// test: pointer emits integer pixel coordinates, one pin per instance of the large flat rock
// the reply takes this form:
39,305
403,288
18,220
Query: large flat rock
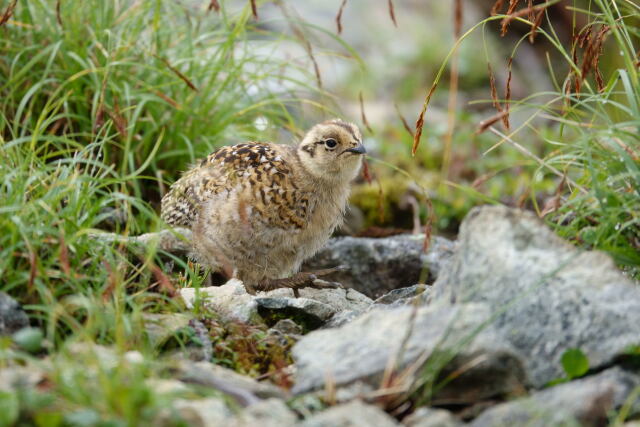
548,295
361,350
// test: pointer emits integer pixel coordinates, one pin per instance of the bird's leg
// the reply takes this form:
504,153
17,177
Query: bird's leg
302,280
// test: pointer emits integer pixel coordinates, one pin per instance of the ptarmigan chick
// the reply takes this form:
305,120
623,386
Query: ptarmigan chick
262,208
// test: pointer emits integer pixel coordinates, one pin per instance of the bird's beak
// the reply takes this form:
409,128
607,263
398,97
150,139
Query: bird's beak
356,150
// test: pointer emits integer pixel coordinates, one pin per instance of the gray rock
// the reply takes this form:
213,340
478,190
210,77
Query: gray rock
431,417
205,412
401,295
310,313
377,266
352,414
583,402
161,327
547,295
342,318
286,331
313,308
246,391
20,377
287,326
268,413
192,335
361,350
12,317
230,300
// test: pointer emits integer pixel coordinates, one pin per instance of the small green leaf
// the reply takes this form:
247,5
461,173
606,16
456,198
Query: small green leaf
575,363
48,419
9,408
29,339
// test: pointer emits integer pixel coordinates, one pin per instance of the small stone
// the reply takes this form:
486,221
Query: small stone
288,327
352,414
166,386
230,300
206,412
268,413
431,417
586,402
161,327
29,339
12,317
20,377
245,390
401,294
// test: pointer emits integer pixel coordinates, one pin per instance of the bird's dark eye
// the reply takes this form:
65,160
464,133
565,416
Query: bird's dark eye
331,143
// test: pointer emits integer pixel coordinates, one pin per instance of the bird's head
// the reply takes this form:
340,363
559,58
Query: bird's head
332,150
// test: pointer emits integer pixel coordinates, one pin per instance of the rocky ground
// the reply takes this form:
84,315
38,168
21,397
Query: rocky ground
509,325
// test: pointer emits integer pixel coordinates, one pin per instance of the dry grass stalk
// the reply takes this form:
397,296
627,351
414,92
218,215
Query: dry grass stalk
365,172
163,281
420,120
58,17
329,389
482,178
497,7
507,97
65,265
494,90
254,9
555,202
405,124
537,21
503,112
177,73
362,113
214,5
112,281
534,14
339,16
485,124
505,22
168,99
8,13
392,12
118,119
592,44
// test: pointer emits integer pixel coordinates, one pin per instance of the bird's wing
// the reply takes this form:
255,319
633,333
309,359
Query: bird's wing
268,192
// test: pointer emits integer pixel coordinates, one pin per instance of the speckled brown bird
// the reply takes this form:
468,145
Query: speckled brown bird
262,208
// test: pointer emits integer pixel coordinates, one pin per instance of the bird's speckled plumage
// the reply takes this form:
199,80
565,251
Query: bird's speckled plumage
263,208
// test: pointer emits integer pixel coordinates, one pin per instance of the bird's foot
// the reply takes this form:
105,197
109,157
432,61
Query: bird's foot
303,280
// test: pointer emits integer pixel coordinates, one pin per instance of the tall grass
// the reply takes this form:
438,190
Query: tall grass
101,105
584,134
598,139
